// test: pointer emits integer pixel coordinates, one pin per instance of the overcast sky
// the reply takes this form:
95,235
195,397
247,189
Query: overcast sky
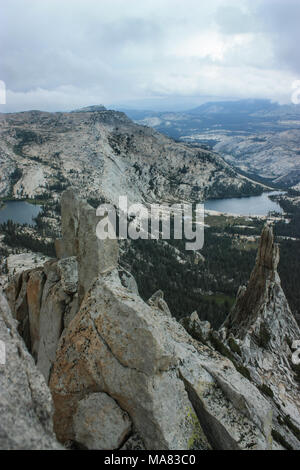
64,54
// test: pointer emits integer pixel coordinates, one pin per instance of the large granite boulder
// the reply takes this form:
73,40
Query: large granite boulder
117,344
99,423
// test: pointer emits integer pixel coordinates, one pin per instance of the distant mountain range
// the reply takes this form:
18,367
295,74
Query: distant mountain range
259,137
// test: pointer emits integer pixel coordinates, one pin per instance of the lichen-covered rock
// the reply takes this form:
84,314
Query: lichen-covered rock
133,443
178,393
117,344
25,400
99,423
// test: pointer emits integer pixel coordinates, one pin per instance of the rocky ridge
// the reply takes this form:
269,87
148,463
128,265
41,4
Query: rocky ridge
271,155
113,359
103,154
258,137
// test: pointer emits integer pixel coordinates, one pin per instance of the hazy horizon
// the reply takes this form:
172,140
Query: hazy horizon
151,107
160,55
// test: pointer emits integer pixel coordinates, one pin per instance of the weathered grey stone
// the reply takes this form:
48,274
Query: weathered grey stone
34,292
263,277
118,344
53,307
40,301
224,418
200,330
128,281
68,268
12,291
25,400
94,256
179,394
118,354
99,423
224,427
157,301
52,272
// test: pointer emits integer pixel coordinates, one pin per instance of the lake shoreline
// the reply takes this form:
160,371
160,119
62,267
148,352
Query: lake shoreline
211,212
248,206
38,202
19,212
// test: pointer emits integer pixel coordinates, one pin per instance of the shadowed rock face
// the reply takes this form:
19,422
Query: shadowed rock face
25,400
42,300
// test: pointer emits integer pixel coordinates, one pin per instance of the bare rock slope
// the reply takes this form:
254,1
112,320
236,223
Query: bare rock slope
103,154
272,155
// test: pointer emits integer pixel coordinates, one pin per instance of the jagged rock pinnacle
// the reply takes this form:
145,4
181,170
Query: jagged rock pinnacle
260,332
250,300
268,252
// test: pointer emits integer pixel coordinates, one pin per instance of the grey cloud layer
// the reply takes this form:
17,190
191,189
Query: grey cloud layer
61,54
